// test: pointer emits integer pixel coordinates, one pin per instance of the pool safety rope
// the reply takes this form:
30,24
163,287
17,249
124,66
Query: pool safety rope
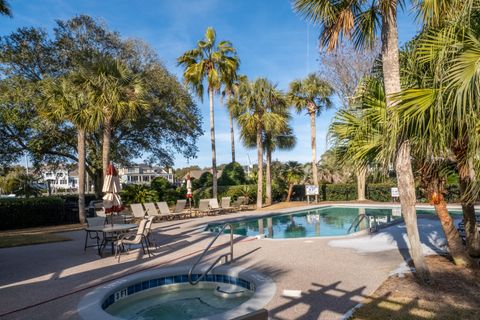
110,280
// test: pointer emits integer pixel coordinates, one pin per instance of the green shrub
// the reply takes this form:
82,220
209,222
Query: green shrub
338,192
205,180
73,198
234,192
134,193
232,175
379,192
33,212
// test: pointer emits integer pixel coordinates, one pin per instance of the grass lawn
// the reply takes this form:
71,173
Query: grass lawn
455,294
24,237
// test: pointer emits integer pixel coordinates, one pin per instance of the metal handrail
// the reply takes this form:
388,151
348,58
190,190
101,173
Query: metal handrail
360,218
225,255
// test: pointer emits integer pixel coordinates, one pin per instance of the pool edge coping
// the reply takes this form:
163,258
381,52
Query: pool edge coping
90,306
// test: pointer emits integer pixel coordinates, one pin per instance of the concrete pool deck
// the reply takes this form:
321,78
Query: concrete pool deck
47,281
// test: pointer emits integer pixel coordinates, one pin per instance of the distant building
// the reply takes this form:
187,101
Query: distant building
144,174
60,178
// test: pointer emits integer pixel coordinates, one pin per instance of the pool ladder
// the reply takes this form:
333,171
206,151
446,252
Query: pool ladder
225,255
356,222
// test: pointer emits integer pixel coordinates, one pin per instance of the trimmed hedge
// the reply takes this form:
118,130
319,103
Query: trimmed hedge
380,192
16,213
33,212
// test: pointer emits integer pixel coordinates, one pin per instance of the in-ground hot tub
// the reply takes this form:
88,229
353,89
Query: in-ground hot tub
165,293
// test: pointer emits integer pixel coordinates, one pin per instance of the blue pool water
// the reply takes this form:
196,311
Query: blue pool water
321,222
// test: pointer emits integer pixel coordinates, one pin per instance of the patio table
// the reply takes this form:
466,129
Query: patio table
110,229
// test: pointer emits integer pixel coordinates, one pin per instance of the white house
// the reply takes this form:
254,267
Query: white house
60,178
144,174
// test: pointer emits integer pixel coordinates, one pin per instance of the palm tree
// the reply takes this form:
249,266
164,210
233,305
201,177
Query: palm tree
230,90
359,134
293,173
65,101
360,20
5,8
117,93
217,64
282,140
312,95
256,111
443,103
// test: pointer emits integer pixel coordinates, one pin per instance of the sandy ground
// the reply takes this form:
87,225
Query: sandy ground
47,281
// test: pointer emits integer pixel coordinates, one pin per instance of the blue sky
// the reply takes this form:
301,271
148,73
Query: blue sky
271,40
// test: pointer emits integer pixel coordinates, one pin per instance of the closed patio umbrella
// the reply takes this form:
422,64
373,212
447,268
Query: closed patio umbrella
189,191
111,187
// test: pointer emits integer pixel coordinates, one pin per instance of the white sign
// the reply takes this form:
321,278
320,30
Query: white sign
395,192
311,190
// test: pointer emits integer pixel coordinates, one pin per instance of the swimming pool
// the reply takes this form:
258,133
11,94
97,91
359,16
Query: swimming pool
320,222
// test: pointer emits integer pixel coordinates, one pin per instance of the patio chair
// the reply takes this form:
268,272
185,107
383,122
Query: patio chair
93,234
215,206
147,232
166,213
226,204
100,210
180,206
137,210
151,210
133,239
204,208
240,203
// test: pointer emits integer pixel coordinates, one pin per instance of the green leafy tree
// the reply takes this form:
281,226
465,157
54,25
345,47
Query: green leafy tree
204,181
312,95
361,21
170,125
20,183
217,65
232,175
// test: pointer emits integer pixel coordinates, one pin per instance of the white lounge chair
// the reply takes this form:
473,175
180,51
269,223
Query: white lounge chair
226,204
166,213
205,208
151,210
215,206
137,210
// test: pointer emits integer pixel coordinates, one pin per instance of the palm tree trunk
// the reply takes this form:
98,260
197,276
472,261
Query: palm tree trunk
260,167
212,140
406,190
81,174
406,184
268,178
107,135
361,178
455,246
468,209
313,141
290,190
232,136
